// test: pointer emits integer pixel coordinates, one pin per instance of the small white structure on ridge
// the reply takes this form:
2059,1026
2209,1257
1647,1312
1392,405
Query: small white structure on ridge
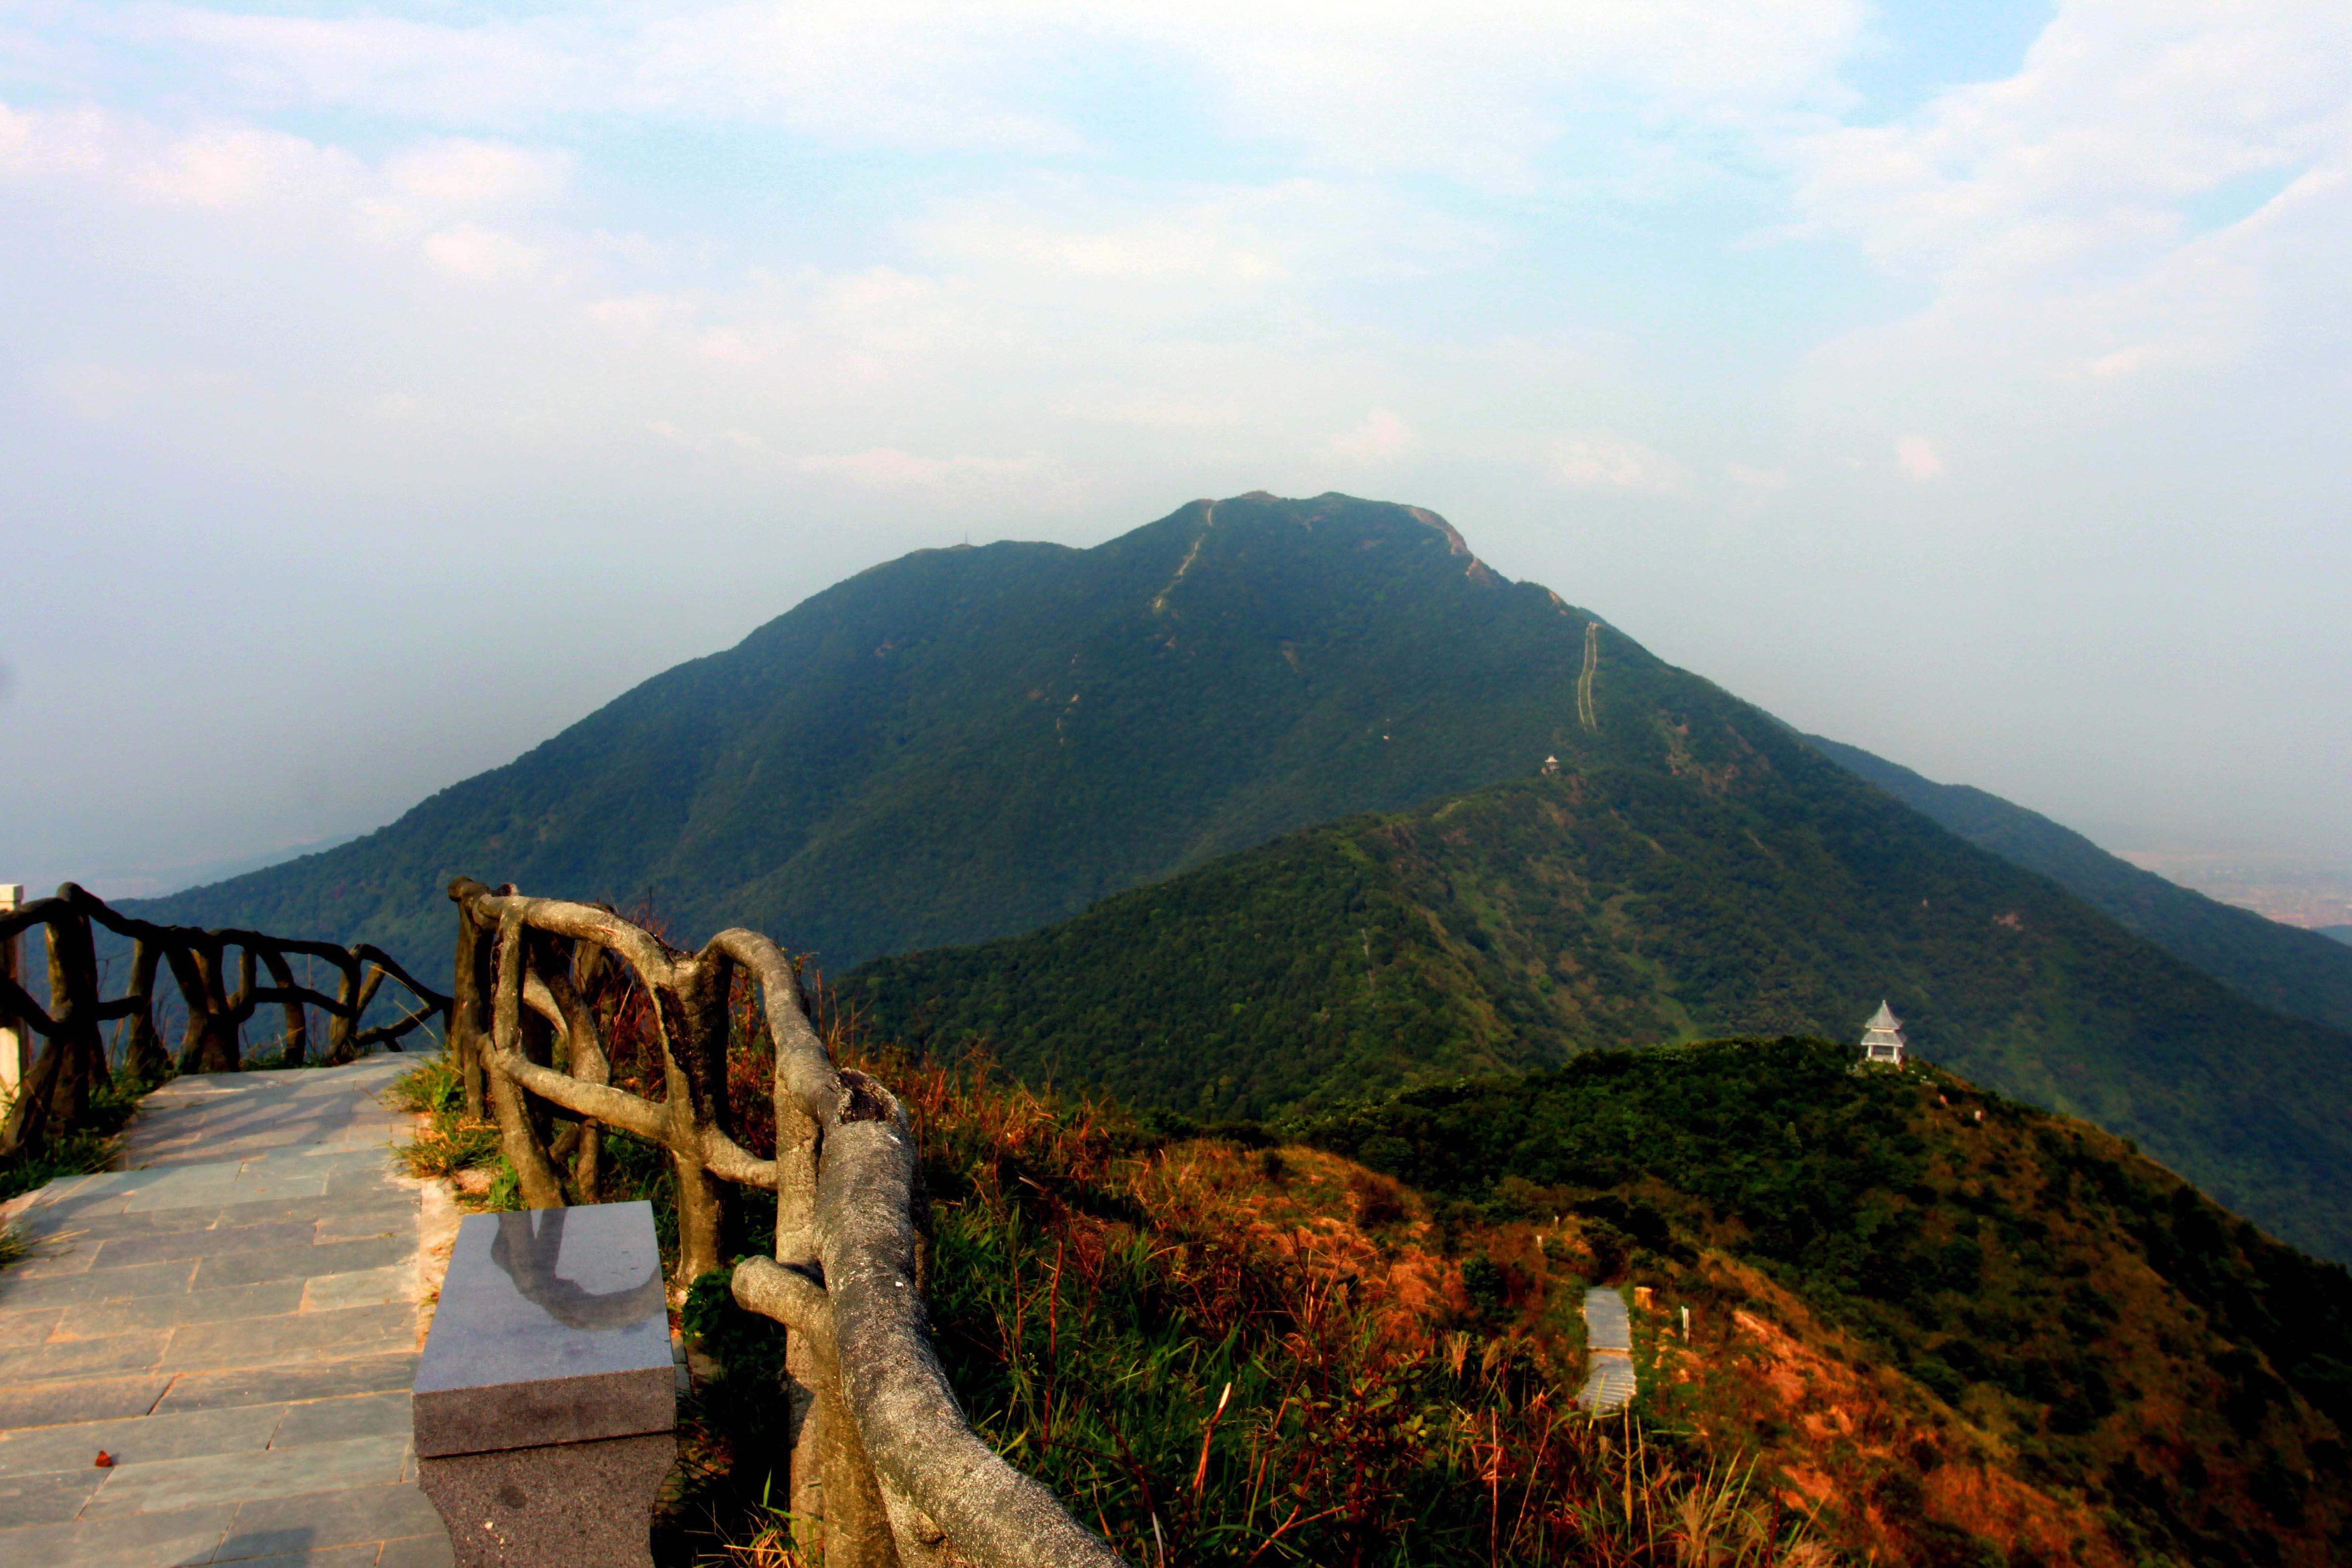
13,1034
1882,1037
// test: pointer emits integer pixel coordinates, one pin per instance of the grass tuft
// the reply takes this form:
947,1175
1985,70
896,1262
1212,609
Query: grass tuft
16,1242
86,1149
450,1142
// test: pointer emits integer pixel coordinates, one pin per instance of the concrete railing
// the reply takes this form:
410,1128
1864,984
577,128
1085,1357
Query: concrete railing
884,1465
52,1096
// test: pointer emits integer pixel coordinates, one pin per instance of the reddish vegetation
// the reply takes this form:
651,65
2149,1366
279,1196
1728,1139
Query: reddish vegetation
1354,1290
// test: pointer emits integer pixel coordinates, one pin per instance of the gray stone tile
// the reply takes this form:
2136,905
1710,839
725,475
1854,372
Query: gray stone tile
241,1478
189,1186
419,1551
282,1384
90,1229
216,1187
141,1439
333,1557
97,1399
19,1291
341,1162
19,1329
165,1246
140,1541
91,1206
295,1336
330,1420
332,1518
237,1301
64,1254
366,1182
51,1497
60,1187
302,1262
366,1288
95,1184
82,1358
260,1211
357,1222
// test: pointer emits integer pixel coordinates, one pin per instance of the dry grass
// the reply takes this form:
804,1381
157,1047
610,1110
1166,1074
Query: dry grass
1216,1357
449,1142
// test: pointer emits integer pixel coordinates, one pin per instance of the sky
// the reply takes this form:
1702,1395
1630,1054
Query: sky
385,387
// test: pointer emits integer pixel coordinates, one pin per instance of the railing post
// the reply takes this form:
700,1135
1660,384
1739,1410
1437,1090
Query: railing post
73,1002
143,1051
14,1057
470,1008
884,1464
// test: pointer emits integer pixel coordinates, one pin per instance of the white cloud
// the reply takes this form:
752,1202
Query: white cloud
1477,92
1151,412
2048,212
1380,439
485,255
1917,458
463,173
887,468
1197,246
212,166
1604,460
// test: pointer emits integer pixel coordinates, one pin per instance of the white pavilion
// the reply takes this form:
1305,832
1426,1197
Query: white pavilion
1882,1037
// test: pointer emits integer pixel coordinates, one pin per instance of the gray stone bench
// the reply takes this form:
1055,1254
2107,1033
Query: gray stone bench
545,1401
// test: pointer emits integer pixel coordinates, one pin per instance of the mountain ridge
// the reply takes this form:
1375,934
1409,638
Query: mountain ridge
1525,923
967,744
2281,967
963,742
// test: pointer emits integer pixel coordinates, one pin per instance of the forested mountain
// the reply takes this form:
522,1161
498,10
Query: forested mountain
1735,884
967,743
2095,1365
2285,969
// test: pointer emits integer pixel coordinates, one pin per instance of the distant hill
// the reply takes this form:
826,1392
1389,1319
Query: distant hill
2285,969
1739,884
2337,934
967,742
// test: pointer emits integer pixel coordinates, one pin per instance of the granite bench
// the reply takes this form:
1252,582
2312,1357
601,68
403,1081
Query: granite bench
546,1401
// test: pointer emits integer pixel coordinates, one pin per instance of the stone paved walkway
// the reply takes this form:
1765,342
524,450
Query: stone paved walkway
1609,1381
234,1322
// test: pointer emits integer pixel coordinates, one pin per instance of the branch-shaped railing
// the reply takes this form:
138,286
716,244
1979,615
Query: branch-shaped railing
884,1466
54,1097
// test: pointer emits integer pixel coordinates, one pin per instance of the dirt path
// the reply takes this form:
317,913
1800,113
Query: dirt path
1586,714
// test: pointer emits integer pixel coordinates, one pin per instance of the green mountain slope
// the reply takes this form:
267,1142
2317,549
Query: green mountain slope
2285,969
967,742
2060,1306
1739,885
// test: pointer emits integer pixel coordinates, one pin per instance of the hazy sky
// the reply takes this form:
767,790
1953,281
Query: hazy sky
383,387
